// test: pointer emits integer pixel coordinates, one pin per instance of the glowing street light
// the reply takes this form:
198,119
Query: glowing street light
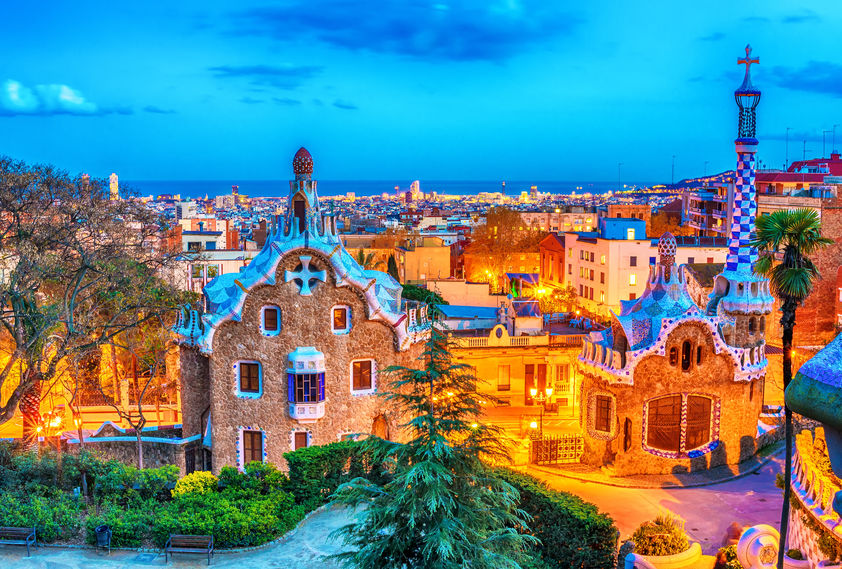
541,399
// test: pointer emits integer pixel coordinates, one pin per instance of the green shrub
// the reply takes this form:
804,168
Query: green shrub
54,516
129,525
829,546
795,554
118,479
233,521
730,555
573,532
198,482
316,472
664,536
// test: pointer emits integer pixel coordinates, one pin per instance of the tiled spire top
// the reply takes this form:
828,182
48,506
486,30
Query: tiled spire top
666,251
302,164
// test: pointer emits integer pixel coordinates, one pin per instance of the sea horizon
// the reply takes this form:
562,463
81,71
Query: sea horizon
326,188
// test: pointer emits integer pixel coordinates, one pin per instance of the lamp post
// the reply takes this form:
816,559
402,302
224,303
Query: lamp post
541,399
786,159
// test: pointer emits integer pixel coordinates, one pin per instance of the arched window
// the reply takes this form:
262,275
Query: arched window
299,208
673,356
664,419
698,355
686,355
762,323
752,325
664,423
698,422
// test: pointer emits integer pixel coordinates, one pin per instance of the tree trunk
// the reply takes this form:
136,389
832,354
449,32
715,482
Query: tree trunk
788,323
30,408
139,447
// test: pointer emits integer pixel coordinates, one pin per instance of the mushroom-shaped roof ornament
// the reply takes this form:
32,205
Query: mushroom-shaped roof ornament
302,163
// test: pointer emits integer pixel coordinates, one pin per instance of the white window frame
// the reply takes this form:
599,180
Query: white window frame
373,387
248,394
347,329
264,331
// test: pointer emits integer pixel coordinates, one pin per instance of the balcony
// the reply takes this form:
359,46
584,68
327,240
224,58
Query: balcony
307,412
719,214
719,198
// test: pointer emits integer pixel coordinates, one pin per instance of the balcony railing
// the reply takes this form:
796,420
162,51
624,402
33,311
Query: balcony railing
719,214
573,340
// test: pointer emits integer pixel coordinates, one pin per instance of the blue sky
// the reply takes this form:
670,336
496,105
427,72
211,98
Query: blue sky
518,90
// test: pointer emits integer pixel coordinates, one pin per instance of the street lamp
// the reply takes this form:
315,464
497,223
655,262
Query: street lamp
541,399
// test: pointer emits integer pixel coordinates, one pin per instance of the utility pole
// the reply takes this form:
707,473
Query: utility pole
786,160
619,183
824,150
673,169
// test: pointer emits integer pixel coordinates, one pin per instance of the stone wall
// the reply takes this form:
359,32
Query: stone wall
305,321
739,407
195,389
815,321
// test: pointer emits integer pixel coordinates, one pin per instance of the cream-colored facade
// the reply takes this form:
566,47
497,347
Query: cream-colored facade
509,366
605,271
558,221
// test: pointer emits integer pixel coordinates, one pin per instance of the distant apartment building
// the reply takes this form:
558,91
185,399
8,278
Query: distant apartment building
185,210
631,211
207,234
612,264
576,219
421,259
708,210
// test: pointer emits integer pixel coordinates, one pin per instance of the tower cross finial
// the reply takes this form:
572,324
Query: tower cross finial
747,61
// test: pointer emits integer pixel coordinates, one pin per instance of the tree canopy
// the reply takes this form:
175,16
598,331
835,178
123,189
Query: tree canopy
79,269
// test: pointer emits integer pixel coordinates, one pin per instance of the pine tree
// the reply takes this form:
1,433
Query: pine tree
440,507
392,268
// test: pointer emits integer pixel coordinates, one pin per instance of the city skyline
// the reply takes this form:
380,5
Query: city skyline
468,91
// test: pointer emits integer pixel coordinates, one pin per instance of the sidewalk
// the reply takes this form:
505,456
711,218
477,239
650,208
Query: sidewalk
586,473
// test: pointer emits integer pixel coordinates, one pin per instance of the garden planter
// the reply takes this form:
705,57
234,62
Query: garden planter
790,563
690,559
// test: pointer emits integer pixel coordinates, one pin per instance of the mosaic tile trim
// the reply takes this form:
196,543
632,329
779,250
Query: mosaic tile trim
592,432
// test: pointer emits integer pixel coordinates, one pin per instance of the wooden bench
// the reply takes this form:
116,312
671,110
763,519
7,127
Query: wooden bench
188,544
18,536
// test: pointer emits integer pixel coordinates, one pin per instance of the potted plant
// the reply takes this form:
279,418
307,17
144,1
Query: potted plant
663,544
794,559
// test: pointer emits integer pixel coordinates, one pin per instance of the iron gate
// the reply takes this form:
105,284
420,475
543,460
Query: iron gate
557,449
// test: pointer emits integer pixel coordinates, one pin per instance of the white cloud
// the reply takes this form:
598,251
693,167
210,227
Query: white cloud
18,99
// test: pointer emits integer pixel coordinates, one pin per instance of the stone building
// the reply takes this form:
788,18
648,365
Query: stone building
664,390
671,387
290,351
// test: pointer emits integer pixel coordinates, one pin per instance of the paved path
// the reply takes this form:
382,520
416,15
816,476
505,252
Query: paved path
707,511
303,550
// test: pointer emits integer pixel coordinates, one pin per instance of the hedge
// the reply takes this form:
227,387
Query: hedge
573,533
55,514
316,472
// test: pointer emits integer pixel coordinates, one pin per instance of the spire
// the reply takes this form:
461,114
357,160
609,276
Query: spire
747,97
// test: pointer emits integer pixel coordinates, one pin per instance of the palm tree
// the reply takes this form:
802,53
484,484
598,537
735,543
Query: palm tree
784,241
366,260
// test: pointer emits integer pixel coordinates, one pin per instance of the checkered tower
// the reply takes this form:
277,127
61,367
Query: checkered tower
740,296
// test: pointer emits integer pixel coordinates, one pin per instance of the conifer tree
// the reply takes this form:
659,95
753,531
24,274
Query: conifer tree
440,506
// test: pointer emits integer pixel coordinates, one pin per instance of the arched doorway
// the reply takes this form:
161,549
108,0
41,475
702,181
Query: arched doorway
380,427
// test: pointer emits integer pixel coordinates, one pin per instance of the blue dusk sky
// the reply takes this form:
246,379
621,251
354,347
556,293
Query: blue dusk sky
484,90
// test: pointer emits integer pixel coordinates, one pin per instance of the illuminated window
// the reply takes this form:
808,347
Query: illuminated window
686,355
602,260
602,297
504,377
630,233
632,279
340,319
